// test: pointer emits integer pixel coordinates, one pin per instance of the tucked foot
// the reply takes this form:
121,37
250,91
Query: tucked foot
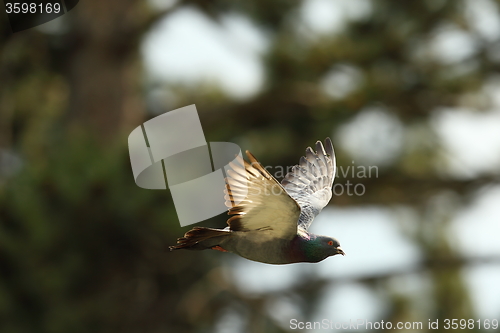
218,248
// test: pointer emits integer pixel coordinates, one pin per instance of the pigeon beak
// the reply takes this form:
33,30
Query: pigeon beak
340,251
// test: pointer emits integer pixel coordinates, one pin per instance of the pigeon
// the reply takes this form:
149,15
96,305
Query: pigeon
270,220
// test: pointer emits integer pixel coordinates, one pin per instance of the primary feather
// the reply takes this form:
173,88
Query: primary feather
310,182
266,205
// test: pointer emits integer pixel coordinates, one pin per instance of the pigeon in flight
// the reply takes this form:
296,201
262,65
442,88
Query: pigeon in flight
269,220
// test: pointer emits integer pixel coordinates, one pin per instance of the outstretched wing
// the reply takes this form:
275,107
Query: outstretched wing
310,182
258,202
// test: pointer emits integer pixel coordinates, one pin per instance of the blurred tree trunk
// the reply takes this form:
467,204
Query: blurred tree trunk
104,67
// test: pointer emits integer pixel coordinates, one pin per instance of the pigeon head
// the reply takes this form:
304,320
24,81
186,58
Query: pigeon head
318,248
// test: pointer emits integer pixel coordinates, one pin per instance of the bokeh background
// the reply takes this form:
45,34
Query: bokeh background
409,87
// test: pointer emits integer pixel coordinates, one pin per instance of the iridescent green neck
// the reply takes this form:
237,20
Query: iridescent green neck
308,248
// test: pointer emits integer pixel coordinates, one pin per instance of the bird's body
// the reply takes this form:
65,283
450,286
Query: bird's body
270,250
270,220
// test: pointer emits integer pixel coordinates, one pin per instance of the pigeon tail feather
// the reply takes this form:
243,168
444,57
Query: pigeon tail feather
200,238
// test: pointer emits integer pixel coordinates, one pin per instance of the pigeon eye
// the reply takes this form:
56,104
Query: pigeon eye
330,242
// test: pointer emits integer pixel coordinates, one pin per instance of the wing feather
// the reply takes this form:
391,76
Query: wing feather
258,202
310,182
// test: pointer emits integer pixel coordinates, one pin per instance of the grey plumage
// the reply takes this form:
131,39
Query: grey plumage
269,220
310,182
